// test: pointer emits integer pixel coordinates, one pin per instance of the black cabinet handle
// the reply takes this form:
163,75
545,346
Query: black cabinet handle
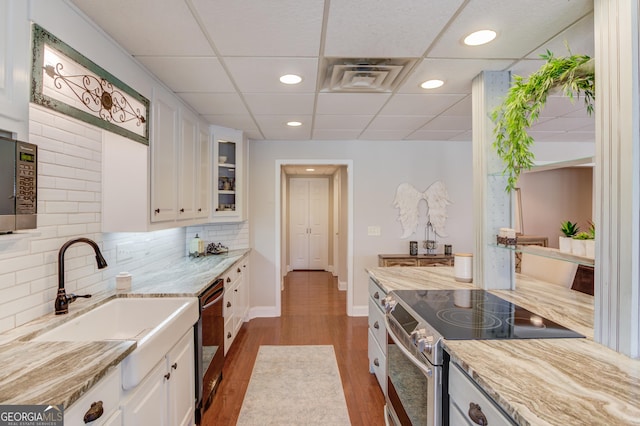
229,335
156,211
376,325
476,415
376,295
174,366
181,210
94,413
376,362
167,376
228,304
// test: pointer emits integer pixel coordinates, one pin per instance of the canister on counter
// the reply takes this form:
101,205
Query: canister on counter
463,267
413,248
447,249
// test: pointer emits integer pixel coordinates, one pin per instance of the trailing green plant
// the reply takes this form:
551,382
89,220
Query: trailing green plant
521,107
569,229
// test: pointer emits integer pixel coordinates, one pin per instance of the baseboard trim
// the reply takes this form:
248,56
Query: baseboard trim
360,311
262,312
342,285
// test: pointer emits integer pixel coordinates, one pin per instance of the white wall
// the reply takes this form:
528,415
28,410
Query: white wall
70,193
378,168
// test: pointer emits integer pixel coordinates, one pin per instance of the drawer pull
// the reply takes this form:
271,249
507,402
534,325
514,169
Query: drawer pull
167,376
376,295
376,325
376,362
476,415
174,366
228,304
229,335
94,412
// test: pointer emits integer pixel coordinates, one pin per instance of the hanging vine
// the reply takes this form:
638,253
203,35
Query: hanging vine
574,75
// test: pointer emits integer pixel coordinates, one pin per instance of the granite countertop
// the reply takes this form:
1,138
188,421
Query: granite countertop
60,372
540,381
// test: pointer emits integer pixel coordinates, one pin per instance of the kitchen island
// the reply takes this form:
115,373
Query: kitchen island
539,381
61,372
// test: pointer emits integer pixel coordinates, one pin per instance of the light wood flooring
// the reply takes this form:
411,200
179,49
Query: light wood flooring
313,313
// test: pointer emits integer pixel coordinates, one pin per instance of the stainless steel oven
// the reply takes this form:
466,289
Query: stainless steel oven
209,335
417,365
414,383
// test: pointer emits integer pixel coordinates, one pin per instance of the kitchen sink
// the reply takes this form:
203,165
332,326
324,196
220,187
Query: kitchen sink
155,323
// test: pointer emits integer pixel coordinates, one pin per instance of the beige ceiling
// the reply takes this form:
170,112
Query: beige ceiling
224,58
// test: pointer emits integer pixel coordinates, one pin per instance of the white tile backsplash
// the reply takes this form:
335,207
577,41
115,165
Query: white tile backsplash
69,206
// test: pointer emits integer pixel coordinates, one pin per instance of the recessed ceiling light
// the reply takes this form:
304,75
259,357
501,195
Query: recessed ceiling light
479,37
290,79
294,123
310,170
432,84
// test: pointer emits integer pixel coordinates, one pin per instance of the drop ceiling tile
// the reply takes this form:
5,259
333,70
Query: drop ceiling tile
215,103
234,121
277,122
398,122
463,137
461,108
384,135
448,122
579,38
297,133
436,135
558,136
517,36
143,27
263,28
189,74
426,104
457,74
340,134
351,103
260,75
342,122
373,33
280,103
562,105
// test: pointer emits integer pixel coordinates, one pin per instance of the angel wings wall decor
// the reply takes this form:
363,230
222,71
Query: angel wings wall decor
408,199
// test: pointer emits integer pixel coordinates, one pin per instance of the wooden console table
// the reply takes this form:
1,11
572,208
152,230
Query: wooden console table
417,260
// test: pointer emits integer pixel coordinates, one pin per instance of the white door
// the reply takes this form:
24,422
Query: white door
309,216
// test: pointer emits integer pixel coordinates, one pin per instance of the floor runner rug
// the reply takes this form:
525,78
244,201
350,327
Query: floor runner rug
295,385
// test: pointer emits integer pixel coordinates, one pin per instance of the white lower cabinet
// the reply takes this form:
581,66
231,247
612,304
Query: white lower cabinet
377,342
167,395
106,393
236,300
469,405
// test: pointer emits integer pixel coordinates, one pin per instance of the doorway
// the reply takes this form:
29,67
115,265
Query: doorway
339,176
308,223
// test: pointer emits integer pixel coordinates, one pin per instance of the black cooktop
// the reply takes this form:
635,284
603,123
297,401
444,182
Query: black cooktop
474,314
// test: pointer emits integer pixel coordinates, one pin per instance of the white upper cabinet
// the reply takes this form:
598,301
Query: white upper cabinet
188,165
15,54
164,185
229,175
164,150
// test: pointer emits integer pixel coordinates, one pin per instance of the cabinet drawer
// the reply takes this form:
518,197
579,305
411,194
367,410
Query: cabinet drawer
377,362
400,262
376,293
107,390
463,392
377,326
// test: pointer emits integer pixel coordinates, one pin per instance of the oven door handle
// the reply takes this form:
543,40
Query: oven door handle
208,304
426,370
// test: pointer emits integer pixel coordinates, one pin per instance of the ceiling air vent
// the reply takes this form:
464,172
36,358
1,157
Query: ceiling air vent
364,75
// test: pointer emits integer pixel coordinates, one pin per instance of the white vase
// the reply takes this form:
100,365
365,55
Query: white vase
565,244
590,248
578,247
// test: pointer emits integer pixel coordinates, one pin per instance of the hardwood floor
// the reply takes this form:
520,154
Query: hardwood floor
313,313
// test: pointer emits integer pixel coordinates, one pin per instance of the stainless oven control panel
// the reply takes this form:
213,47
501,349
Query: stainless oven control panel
26,178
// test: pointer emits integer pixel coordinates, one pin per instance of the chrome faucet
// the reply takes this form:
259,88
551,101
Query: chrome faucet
62,300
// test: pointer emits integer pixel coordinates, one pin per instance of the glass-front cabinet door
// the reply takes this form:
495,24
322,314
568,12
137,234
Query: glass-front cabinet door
228,175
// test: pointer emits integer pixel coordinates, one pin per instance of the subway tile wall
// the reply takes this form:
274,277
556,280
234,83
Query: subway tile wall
234,236
69,206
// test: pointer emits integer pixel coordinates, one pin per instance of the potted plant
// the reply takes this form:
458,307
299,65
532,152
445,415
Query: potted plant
578,246
522,105
590,243
569,229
